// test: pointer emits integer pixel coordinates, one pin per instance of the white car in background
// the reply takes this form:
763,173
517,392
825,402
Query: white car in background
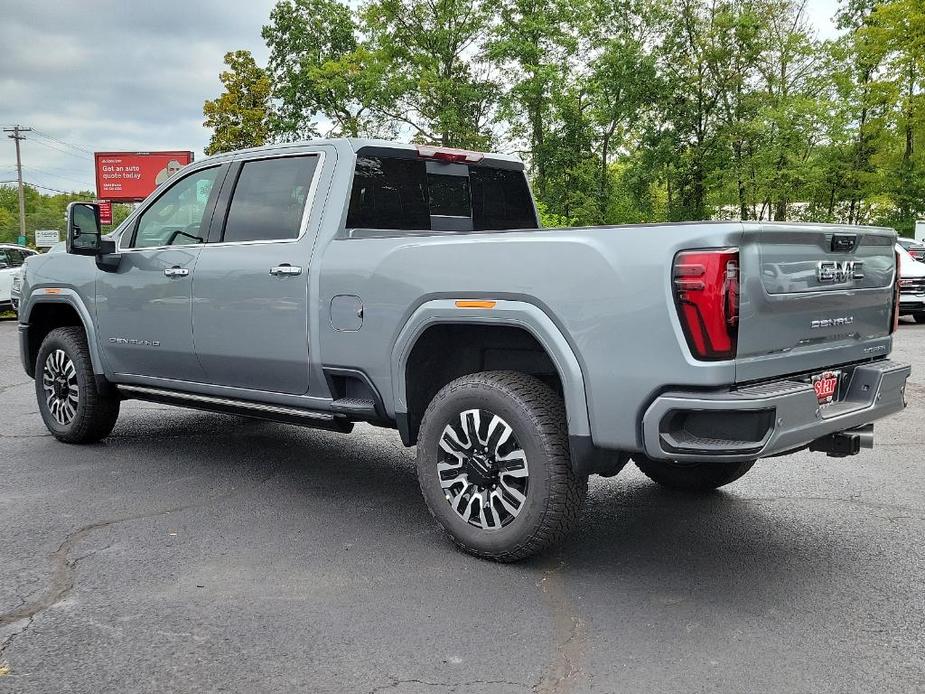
11,259
911,286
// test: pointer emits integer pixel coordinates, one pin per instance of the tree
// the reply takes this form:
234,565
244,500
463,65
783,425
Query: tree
240,116
792,81
323,77
623,82
532,41
438,90
895,37
624,110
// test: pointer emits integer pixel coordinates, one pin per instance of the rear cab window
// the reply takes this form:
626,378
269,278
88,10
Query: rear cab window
399,192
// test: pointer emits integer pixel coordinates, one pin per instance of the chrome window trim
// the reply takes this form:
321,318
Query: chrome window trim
306,212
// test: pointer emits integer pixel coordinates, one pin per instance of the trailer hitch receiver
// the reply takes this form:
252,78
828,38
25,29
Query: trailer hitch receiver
845,443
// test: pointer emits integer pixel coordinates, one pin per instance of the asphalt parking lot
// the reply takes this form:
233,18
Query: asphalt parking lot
198,552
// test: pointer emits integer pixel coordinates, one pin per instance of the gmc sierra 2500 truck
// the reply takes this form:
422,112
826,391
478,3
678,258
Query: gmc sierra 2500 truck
338,281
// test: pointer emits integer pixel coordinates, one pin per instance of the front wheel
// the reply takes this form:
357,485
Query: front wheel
692,477
73,405
493,465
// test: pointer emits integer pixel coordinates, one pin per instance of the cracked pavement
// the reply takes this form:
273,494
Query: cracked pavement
194,552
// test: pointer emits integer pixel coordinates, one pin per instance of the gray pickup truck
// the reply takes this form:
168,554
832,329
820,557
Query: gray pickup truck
339,281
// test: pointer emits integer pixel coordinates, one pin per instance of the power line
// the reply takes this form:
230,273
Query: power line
61,150
36,185
62,142
49,173
53,190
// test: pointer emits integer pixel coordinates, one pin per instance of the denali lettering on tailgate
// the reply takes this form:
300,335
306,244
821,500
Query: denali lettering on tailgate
831,322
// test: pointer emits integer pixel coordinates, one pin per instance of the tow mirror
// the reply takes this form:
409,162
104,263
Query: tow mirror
83,229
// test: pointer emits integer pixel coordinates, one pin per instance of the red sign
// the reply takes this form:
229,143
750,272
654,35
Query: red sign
105,211
826,386
132,176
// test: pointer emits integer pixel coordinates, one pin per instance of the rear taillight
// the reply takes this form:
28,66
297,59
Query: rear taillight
706,290
896,283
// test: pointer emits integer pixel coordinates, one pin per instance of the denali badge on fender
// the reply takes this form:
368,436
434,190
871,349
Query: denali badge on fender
835,271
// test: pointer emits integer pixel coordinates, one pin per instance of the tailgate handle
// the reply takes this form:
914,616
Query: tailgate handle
844,242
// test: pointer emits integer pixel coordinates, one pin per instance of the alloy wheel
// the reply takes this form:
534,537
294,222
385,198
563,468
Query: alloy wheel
483,469
59,381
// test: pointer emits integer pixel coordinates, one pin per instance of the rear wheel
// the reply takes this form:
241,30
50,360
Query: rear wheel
919,316
493,465
73,405
694,477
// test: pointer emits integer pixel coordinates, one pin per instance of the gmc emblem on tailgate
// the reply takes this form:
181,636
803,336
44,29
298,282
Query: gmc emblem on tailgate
835,271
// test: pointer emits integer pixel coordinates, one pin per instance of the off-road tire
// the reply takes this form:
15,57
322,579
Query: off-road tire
691,477
536,416
97,407
919,317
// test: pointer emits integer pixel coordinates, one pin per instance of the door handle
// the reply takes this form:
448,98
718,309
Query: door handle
176,272
285,270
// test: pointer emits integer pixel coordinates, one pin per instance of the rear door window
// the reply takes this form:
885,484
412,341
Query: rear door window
269,199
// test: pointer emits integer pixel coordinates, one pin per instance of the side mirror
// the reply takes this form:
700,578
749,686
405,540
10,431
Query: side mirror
83,229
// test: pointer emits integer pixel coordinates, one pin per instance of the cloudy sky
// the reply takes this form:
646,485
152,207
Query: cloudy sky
111,75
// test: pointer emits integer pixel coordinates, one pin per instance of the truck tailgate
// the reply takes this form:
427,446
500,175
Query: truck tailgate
812,296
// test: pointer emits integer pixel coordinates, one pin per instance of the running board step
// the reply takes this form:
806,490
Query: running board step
243,408
357,407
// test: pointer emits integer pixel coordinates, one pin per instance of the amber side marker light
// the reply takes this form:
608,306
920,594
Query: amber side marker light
476,304
53,290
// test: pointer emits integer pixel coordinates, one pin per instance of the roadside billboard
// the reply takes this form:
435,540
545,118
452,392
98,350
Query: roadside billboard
131,176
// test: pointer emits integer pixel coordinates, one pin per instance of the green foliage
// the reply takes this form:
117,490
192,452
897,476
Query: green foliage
324,80
240,116
43,212
624,110
433,85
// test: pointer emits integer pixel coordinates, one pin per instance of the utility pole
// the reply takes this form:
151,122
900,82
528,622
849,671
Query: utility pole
16,137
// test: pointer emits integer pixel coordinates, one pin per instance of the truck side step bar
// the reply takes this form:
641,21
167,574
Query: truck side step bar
242,408
357,407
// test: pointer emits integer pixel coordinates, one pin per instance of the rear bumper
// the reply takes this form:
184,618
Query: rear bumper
769,418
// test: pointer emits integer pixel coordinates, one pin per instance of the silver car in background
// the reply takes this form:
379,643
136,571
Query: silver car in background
11,259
